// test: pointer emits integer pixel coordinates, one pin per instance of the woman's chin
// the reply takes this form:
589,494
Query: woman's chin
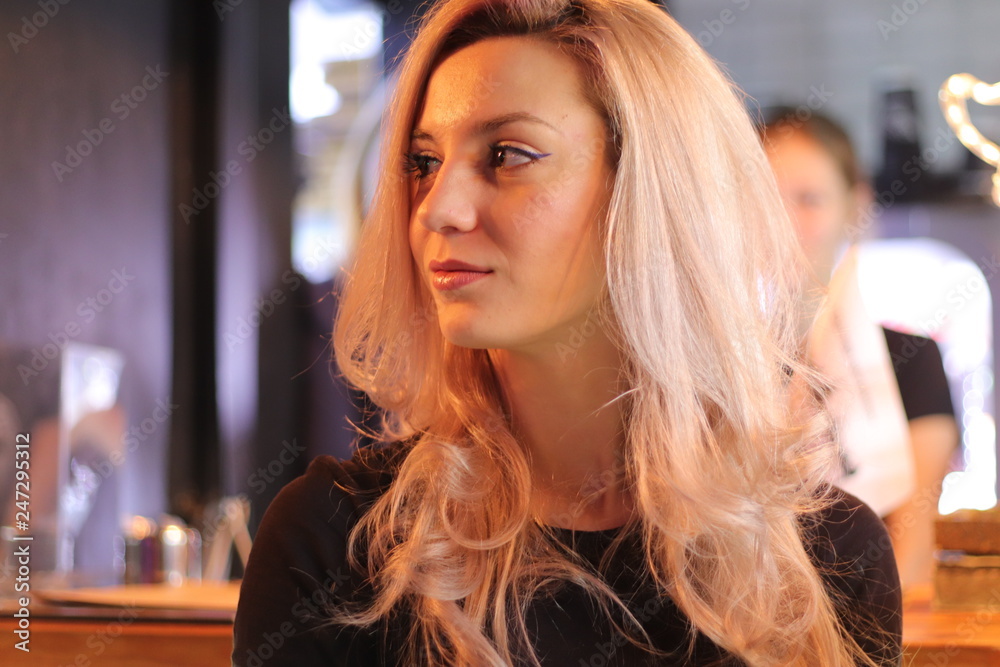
469,338
470,333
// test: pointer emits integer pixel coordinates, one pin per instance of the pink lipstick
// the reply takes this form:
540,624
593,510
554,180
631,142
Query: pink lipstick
451,274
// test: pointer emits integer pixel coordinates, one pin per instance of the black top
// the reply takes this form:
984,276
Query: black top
923,385
299,554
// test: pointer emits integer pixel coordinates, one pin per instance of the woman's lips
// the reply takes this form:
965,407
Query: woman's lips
449,280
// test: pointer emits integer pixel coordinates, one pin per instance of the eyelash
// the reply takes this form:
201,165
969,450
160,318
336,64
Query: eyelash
416,163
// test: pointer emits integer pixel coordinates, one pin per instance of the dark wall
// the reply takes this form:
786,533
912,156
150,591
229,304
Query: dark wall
62,235
67,232
261,301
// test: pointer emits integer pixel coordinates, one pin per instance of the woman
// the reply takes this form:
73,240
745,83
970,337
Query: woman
584,343
826,194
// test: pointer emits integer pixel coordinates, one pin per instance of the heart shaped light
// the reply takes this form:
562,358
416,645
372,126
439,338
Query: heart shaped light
954,96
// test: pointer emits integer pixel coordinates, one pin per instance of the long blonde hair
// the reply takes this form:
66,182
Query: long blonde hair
701,297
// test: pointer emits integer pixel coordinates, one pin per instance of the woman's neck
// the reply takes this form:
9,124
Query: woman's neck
565,412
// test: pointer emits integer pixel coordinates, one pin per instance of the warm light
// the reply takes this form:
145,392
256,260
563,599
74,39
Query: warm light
955,113
954,95
973,488
985,93
173,535
140,528
957,84
969,136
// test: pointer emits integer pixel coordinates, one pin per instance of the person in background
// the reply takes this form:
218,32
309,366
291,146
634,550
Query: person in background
576,298
825,193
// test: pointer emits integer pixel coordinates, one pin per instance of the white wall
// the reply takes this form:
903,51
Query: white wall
779,50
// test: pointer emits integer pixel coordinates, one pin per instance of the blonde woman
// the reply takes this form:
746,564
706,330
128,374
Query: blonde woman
575,298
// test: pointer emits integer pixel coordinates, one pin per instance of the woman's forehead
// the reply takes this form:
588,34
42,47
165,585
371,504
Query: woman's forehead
499,77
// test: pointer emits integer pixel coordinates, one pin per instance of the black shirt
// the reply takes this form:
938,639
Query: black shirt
300,548
919,370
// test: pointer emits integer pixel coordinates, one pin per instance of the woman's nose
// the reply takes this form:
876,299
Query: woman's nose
449,204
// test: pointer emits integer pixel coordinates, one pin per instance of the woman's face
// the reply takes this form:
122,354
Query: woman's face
818,198
509,176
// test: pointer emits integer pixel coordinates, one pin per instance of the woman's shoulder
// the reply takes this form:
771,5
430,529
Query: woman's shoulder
853,551
309,521
845,529
359,480
298,565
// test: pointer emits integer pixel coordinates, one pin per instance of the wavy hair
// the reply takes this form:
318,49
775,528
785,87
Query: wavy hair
703,274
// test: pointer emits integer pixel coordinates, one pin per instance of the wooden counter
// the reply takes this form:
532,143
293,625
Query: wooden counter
64,635
107,636
936,638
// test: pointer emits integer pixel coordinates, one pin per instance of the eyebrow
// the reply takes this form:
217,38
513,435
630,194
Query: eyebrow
494,124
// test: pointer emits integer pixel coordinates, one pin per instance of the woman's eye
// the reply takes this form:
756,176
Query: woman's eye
508,157
421,165
809,199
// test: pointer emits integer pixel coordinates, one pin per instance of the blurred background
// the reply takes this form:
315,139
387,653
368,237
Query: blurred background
182,182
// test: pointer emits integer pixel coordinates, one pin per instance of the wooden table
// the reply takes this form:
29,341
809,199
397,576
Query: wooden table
65,635
108,636
937,638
